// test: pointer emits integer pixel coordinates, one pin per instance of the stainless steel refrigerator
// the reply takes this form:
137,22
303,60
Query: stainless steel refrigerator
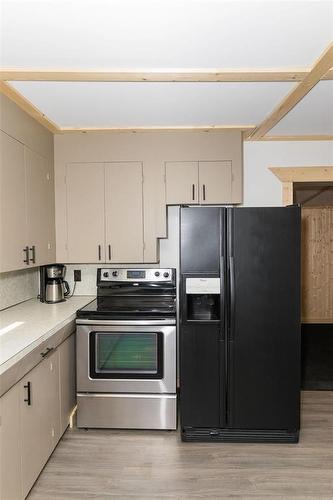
240,324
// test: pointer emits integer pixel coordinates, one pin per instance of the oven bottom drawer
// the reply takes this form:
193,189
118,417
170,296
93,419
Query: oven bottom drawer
127,411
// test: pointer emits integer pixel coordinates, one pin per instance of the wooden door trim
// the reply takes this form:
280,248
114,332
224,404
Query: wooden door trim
289,175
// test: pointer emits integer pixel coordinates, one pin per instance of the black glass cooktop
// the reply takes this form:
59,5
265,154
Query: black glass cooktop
128,308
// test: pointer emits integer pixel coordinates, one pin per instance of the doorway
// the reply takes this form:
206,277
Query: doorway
312,188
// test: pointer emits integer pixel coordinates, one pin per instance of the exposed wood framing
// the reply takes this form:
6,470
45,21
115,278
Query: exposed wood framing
28,107
172,75
321,67
303,174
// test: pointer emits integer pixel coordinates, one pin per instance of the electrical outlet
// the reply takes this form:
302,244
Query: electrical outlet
77,274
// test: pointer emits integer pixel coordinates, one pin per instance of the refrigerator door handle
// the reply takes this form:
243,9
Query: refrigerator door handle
222,298
232,298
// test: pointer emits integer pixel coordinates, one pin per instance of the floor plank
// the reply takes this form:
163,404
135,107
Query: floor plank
127,465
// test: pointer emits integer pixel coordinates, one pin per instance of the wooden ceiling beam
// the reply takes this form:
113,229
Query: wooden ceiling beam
28,107
319,70
189,128
172,75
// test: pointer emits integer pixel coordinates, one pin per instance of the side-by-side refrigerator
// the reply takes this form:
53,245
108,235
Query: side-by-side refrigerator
240,324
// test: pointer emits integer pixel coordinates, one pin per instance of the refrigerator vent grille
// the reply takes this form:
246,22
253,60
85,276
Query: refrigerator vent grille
239,436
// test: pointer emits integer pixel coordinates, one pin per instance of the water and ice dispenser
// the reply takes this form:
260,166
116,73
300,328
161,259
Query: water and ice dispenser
202,297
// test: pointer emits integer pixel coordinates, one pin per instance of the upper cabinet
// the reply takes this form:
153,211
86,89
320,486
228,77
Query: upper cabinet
123,212
85,212
204,182
112,189
13,204
40,208
182,182
215,182
104,212
27,207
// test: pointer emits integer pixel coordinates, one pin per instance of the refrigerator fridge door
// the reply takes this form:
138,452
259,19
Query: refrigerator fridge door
264,318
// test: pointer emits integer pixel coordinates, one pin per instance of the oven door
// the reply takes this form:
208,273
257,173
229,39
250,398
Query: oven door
126,358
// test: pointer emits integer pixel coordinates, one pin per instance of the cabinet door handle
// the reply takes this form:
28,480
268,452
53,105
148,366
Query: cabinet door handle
204,192
99,252
26,251
28,398
33,251
193,192
109,252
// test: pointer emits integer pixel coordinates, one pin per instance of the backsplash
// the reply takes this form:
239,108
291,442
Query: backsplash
17,286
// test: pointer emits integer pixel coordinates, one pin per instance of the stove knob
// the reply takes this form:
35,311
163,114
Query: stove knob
157,273
106,275
115,273
166,275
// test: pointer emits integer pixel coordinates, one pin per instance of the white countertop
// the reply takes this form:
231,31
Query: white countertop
24,326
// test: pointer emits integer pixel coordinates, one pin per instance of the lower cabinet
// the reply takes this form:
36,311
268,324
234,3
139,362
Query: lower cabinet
10,446
34,414
40,418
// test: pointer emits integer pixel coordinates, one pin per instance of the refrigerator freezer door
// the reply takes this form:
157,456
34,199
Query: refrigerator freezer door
200,230
202,376
264,318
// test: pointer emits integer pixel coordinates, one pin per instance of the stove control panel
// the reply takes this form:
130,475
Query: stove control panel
136,275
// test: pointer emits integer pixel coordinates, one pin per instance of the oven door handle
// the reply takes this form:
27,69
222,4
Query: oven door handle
151,322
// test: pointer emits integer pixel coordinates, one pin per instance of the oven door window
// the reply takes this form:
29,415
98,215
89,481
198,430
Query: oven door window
126,355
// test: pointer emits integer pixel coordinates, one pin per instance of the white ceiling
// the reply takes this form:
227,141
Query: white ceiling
313,115
91,104
104,34
162,34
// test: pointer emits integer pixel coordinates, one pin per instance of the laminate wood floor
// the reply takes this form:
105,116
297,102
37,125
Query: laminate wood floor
102,464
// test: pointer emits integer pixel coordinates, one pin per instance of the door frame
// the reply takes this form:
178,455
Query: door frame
289,175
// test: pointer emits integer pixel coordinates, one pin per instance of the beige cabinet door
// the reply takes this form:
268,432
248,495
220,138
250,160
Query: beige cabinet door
215,182
85,212
10,452
40,429
13,236
40,209
66,353
123,212
181,179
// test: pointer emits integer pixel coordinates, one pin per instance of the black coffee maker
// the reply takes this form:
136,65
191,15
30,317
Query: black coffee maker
53,287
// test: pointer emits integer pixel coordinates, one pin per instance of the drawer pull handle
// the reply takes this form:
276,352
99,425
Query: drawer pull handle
47,352
28,398
193,192
99,252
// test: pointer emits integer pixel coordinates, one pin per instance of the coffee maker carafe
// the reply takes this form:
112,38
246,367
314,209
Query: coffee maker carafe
53,287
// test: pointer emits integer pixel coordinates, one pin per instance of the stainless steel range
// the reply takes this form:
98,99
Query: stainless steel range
126,351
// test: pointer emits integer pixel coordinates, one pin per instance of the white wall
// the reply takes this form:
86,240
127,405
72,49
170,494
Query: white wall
261,187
